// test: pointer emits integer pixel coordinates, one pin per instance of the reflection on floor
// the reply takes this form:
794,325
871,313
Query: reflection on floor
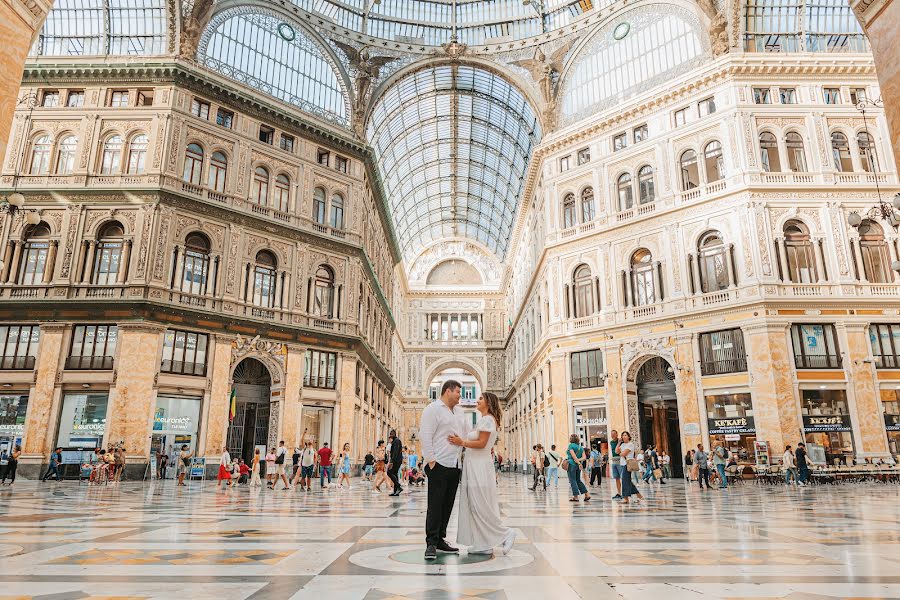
157,541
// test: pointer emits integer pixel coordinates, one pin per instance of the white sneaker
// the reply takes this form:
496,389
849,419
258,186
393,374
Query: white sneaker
508,543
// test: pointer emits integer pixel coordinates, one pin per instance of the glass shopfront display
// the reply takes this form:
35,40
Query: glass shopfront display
591,425
826,423
730,419
317,425
82,421
175,423
891,403
12,420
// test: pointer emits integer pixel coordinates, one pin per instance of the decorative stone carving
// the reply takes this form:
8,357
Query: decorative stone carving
267,351
545,71
663,346
162,246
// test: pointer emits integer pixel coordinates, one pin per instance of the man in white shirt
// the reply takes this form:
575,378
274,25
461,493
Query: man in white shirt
280,457
441,419
789,466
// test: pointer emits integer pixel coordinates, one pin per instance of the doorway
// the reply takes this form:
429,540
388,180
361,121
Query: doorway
250,427
658,411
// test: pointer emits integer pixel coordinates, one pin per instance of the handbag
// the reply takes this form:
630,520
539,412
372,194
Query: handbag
564,464
657,473
631,465
279,460
186,461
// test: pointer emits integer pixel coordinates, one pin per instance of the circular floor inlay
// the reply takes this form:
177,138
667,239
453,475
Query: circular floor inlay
417,557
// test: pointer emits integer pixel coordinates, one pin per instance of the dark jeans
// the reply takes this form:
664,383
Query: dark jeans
442,484
51,470
802,474
11,471
575,481
324,471
537,478
597,473
703,476
392,475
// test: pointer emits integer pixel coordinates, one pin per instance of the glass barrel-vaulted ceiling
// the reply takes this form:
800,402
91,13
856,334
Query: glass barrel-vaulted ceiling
434,22
453,143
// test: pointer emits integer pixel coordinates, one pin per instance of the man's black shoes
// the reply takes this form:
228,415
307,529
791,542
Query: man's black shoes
430,553
445,547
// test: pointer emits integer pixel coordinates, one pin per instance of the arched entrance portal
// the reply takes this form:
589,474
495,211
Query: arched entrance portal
658,410
250,427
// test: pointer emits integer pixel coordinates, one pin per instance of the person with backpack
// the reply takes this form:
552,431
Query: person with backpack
720,459
596,467
552,470
280,456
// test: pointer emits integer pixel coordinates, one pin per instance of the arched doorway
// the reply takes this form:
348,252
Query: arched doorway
658,410
250,427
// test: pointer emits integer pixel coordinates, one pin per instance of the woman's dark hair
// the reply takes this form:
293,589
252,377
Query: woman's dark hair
624,433
573,439
493,406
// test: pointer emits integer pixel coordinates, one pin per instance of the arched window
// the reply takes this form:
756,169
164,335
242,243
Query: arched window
108,254
319,206
323,297
624,191
796,154
34,255
111,160
264,279
282,199
65,155
218,170
840,150
867,155
646,189
195,264
259,192
137,154
713,264
570,214
337,211
642,278
40,155
193,163
714,163
587,204
799,249
768,151
874,253
581,284
690,172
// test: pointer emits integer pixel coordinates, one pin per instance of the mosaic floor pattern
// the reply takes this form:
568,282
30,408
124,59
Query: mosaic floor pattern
65,541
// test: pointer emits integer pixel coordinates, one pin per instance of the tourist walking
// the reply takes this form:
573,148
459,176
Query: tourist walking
369,465
344,462
395,460
295,464
597,466
616,469
307,465
629,463
789,466
720,459
480,527
380,474
666,461
184,463
701,462
280,457
270,468
802,459
255,481
53,467
538,460
12,465
224,469
440,420
324,464
574,456
553,468
162,466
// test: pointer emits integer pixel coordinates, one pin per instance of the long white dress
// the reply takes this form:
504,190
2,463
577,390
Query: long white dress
479,511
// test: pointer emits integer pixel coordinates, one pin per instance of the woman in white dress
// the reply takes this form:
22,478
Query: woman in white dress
479,512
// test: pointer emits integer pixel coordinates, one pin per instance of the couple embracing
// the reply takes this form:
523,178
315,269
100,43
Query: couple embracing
459,457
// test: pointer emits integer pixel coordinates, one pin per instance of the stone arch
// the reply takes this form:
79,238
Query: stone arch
459,362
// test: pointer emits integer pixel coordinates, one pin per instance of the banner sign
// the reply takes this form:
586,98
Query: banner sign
732,426
825,423
198,467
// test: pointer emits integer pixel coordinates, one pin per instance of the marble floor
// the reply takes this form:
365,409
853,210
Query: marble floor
66,541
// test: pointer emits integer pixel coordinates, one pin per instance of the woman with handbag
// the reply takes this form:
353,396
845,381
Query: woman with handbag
184,463
574,456
626,452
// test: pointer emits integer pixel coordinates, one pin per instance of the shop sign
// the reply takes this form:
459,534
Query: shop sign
198,467
824,423
732,426
161,423
892,422
591,421
12,429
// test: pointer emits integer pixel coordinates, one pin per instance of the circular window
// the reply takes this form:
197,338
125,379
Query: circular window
286,32
621,30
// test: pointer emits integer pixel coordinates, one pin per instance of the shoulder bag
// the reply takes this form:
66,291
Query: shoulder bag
631,465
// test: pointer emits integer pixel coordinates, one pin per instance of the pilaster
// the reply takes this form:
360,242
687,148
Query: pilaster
43,397
770,366
864,400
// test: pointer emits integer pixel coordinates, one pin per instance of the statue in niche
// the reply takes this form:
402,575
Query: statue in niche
545,71
718,27
366,68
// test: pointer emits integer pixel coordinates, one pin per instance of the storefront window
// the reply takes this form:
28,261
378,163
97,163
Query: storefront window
12,417
891,402
317,424
82,421
591,425
826,423
731,424
175,422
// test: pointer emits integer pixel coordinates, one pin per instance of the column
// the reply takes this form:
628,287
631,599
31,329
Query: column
14,266
286,290
782,260
615,387
558,399
292,397
776,409
820,266
729,264
346,387
864,402
7,260
132,401
43,398
122,275
51,262
178,280
82,261
695,271
686,391
857,259
88,270
657,288
220,399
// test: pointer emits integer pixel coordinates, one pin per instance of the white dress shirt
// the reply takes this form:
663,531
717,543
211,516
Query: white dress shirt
438,424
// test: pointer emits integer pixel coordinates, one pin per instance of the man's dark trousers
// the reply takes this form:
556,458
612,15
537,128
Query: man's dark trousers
442,485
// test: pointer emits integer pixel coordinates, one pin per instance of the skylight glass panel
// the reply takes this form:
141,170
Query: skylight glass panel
79,28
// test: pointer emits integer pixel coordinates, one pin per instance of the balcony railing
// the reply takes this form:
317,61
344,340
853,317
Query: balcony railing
723,366
17,363
817,361
326,383
89,363
592,381
180,367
